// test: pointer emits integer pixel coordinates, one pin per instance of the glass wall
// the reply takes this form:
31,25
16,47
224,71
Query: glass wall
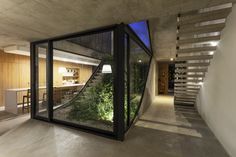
136,61
141,29
41,93
93,80
83,80
138,69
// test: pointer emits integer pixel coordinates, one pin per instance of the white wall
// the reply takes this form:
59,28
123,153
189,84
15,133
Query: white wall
216,101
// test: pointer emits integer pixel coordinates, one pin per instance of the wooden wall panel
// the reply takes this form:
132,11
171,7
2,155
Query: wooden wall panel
15,73
163,78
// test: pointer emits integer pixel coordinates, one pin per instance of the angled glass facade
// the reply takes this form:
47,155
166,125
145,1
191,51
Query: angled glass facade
141,29
94,80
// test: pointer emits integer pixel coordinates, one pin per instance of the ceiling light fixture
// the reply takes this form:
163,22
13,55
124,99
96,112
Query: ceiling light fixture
106,69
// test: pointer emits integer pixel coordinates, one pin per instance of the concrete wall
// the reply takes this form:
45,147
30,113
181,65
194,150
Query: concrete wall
216,101
163,35
149,93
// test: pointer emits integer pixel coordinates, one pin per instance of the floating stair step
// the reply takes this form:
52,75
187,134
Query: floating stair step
198,40
95,80
183,101
208,9
190,76
185,97
191,70
187,89
88,87
92,83
188,105
98,76
206,16
192,30
180,102
192,65
185,109
184,84
185,81
189,93
186,100
202,57
197,49
184,89
187,86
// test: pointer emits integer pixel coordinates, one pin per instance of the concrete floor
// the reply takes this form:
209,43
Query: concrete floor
163,131
9,121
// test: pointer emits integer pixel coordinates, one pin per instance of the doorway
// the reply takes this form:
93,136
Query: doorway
165,78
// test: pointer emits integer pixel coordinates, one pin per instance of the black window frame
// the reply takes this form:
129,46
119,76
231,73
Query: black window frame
119,31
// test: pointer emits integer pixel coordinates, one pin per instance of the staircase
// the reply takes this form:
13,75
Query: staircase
93,81
198,33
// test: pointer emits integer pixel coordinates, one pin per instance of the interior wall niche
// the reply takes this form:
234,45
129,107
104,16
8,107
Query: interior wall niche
165,81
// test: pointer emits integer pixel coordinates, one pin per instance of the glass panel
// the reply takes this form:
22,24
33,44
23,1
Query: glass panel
83,80
142,31
41,95
138,68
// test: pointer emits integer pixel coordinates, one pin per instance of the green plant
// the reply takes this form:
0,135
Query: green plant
96,104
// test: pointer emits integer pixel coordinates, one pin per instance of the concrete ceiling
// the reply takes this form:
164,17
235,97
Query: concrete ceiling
22,21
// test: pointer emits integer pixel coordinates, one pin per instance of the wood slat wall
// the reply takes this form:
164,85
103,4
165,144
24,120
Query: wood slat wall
15,73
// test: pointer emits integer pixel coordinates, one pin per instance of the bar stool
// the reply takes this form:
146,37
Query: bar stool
26,98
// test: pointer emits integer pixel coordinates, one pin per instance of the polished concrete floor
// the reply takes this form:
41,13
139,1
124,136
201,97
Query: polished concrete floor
163,131
9,121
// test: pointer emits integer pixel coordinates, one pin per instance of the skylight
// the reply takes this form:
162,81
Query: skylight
142,31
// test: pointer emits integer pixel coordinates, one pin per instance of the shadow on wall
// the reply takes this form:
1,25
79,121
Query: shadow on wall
149,94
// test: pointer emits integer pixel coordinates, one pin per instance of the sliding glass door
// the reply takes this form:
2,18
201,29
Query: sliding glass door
41,107
83,81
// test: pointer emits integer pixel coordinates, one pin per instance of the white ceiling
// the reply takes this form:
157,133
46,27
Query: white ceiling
22,21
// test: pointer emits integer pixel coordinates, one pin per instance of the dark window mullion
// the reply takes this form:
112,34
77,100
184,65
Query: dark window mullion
128,81
33,80
119,49
50,80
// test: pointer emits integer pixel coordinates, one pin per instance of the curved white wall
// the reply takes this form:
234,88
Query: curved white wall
217,99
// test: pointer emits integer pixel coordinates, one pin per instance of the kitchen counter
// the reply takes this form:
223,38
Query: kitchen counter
11,96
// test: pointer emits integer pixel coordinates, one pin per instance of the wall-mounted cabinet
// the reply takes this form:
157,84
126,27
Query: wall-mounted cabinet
71,76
